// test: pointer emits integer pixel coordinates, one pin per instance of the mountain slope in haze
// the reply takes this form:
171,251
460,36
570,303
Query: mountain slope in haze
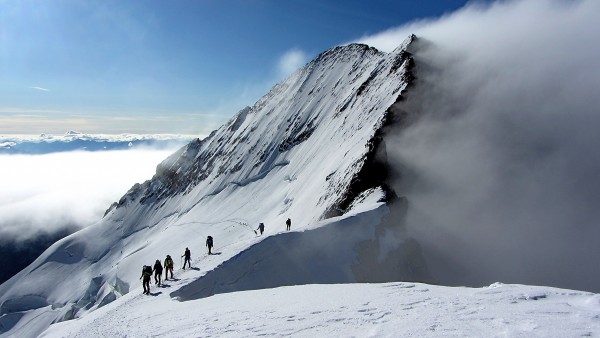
303,152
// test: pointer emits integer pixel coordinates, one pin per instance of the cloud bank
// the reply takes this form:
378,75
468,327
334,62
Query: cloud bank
501,169
48,193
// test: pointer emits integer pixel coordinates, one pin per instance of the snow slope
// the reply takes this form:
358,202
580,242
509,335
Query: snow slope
348,310
298,153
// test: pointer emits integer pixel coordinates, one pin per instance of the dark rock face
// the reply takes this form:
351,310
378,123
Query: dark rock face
375,170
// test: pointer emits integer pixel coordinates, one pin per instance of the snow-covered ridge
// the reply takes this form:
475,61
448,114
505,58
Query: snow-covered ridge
297,153
314,100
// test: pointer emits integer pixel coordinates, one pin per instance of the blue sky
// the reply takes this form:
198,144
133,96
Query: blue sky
167,66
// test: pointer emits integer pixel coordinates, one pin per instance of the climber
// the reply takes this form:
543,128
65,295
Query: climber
157,272
146,274
261,228
288,224
209,244
188,258
168,267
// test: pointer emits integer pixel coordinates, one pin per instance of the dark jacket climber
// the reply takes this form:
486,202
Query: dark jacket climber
209,244
288,224
146,274
168,267
157,272
188,258
261,228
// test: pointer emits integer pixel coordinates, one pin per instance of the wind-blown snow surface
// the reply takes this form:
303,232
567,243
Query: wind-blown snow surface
347,310
293,154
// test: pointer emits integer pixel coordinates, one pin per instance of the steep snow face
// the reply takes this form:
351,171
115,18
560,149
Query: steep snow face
314,127
294,154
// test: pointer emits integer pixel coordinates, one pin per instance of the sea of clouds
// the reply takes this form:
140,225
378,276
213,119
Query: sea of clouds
47,193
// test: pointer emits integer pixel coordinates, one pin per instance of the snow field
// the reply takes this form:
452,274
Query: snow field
343,310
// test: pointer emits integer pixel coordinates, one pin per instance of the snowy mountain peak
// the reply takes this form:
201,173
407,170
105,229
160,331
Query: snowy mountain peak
345,53
326,92
307,150
406,44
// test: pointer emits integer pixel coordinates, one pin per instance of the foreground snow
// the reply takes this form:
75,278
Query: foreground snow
390,309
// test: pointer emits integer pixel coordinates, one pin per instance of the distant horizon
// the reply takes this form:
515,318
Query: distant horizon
65,134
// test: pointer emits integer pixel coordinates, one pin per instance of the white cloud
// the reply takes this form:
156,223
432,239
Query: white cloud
291,61
45,193
40,88
505,174
7,144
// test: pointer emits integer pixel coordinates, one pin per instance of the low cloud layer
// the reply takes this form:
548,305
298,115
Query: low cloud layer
502,171
47,193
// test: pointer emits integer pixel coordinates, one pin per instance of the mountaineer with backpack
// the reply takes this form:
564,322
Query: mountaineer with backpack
157,272
168,267
146,274
209,244
288,224
188,258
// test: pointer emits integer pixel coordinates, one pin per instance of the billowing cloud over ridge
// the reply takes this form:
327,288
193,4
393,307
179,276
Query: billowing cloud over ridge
505,177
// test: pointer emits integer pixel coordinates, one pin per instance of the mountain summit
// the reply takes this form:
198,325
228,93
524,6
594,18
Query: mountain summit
308,150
